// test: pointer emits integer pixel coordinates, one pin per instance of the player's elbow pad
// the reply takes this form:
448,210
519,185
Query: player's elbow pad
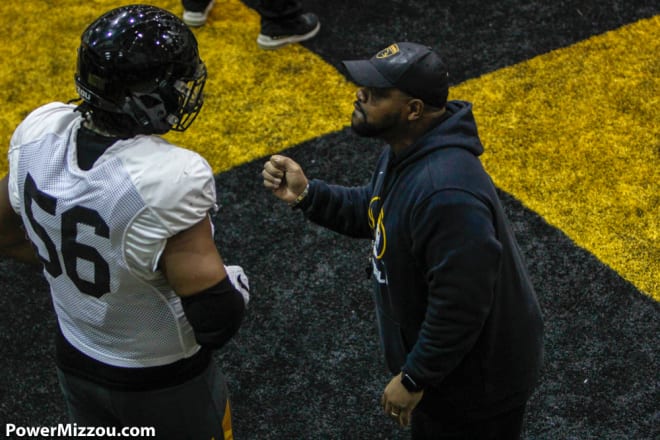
215,314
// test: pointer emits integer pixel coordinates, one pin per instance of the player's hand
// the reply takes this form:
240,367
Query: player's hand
284,177
398,403
240,281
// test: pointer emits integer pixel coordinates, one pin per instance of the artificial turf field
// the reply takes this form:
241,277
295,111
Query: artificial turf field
566,95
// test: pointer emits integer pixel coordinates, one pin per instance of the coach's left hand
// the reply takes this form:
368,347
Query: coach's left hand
398,402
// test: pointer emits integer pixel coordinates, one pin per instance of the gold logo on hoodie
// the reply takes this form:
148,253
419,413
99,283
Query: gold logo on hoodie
388,52
378,226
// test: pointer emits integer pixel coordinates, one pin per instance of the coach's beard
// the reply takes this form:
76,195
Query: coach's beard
363,128
360,125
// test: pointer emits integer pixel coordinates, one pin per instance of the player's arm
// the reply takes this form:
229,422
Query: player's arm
213,296
13,242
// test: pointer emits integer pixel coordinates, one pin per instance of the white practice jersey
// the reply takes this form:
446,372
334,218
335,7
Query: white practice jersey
101,232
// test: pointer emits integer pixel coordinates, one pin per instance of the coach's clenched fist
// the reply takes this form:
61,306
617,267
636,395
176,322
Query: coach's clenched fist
284,177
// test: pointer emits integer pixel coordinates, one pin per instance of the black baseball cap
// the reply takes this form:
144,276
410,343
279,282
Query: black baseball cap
410,67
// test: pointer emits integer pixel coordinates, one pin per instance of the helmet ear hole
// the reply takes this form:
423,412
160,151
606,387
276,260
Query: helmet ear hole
150,102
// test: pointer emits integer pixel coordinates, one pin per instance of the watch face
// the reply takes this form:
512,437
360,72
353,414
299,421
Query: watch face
409,383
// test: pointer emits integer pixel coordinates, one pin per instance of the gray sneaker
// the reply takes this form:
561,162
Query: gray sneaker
197,18
278,33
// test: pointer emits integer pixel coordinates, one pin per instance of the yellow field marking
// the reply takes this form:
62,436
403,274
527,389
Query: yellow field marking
575,135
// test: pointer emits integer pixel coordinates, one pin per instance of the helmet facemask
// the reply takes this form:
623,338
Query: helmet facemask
172,105
191,98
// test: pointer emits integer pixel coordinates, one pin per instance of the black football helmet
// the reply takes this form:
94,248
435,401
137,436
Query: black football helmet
143,62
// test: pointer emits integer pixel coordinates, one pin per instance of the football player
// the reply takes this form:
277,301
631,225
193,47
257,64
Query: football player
120,220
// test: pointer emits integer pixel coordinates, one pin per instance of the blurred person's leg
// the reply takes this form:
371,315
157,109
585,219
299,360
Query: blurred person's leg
284,22
196,12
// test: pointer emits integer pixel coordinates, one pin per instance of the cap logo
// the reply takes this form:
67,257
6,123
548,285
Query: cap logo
388,52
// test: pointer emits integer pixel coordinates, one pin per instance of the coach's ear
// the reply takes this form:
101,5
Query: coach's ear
416,109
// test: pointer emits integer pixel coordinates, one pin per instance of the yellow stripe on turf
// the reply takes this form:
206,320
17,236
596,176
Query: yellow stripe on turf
575,135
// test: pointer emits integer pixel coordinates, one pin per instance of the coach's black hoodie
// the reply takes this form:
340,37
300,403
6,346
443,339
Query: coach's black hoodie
454,303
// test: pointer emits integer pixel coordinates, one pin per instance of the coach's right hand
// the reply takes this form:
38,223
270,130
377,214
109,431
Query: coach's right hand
284,177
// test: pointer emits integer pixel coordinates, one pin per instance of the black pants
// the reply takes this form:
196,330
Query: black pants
269,9
196,409
506,426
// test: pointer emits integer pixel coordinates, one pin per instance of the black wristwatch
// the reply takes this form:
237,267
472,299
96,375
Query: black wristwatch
411,384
